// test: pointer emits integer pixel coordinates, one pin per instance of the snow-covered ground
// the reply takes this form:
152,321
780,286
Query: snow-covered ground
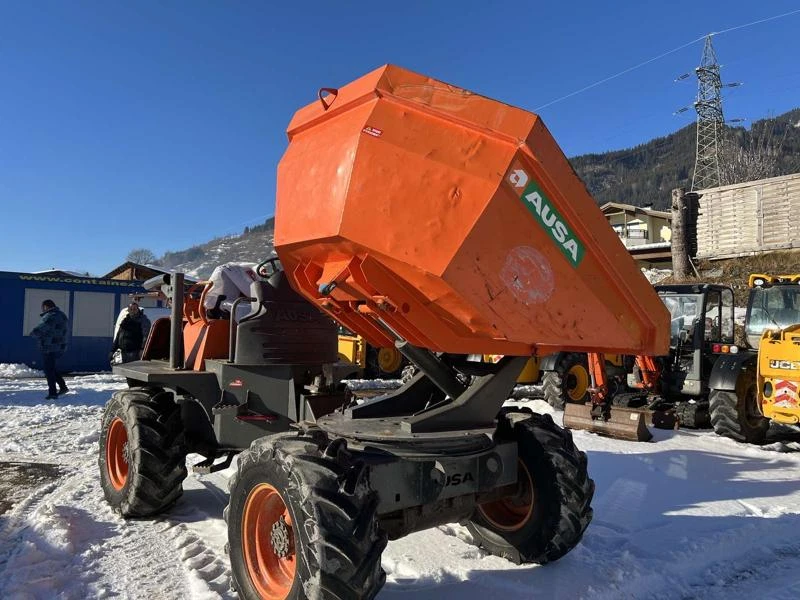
689,516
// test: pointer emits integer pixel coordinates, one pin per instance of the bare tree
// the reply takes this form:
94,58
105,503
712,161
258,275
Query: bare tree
753,156
680,251
141,256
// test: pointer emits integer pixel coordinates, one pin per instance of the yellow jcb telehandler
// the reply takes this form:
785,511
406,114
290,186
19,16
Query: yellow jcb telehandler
761,383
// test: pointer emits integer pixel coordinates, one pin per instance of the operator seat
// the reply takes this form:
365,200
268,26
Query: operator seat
283,328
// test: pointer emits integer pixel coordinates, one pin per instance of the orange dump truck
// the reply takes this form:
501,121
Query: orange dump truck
420,214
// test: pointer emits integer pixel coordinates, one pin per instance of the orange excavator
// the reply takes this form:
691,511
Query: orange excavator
418,215
599,415
670,390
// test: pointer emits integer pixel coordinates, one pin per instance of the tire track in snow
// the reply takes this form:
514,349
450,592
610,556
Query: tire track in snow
736,562
771,573
166,559
16,521
65,537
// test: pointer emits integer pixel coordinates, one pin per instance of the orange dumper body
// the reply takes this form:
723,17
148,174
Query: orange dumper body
457,221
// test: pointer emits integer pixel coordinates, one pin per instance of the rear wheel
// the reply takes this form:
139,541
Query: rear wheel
737,416
568,383
302,523
142,458
694,415
551,509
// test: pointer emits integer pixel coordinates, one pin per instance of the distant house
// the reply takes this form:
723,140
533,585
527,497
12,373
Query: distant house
135,272
645,232
131,271
636,225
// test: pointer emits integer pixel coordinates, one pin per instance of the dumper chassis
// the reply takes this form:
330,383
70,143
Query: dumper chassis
358,476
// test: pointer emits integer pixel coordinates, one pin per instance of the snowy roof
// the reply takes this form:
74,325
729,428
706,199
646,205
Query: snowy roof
610,208
62,272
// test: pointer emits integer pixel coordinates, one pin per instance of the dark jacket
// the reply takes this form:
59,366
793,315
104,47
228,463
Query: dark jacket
52,332
145,323
131,334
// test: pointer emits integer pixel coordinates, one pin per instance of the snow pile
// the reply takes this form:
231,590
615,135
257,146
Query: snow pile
739,315
17,371
372,384
656,275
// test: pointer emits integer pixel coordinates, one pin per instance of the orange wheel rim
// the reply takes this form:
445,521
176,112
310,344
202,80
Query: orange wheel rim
268,543
512,513
116,454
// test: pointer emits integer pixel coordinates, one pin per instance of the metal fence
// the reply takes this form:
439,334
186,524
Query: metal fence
748,218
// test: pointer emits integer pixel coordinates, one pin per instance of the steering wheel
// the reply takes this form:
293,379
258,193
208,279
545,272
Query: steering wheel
272,262
201,309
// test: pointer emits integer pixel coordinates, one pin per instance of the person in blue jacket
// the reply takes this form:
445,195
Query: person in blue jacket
51,334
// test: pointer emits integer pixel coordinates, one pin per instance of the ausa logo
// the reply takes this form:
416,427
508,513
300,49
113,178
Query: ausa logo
546,214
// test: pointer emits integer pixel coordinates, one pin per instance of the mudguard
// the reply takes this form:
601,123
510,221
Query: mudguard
551,361
728,368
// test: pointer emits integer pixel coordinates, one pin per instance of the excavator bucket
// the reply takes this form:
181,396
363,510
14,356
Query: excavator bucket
618,422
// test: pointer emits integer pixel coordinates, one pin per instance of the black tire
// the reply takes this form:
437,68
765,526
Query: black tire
338,549
147,476
630,399
694,415
555,521
562,385
736,416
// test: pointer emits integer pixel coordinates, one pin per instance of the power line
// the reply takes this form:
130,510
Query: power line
786,14
662,55
620,74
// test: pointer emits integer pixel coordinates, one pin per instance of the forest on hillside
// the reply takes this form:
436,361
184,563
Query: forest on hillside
646,174
642,176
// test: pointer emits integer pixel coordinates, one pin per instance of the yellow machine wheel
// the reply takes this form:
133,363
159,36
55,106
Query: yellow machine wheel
389,359
569,382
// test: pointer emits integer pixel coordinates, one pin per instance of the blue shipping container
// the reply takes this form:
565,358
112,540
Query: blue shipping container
91,304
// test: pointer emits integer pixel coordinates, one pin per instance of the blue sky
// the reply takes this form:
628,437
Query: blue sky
160,124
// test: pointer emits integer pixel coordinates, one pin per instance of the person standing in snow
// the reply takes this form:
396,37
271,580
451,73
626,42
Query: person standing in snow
132,334
51,334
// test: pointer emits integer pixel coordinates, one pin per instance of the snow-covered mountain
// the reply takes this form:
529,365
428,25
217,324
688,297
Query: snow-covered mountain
251,246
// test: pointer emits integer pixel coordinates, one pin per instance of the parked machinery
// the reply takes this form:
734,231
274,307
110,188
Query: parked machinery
428,218
566,378
761,383
371,362
664,391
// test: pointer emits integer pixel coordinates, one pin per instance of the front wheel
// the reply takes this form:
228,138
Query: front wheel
302,523
142,458
737,416
551,509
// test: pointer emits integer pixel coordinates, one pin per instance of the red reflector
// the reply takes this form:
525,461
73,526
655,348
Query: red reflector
267,418
716,348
